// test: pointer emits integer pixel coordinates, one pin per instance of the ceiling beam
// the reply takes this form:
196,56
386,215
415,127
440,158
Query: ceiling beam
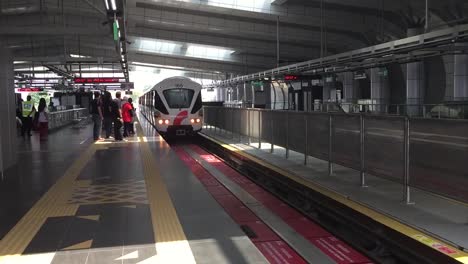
351,32
52,30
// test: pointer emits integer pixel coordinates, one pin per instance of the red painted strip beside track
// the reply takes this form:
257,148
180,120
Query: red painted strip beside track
270,244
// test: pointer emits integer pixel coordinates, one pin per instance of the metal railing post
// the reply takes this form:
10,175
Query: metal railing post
306,139
248,126
287,135
330,144
362,141
232,123
272,133
398,109
407,162
240,125
259,129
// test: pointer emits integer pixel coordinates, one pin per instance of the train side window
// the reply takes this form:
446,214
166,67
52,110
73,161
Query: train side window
159,105
198,104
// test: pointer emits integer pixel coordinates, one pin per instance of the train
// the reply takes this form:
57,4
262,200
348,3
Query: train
174,106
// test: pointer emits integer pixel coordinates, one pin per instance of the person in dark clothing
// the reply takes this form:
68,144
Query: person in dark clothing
117,119
96,112
28,110
107,113
43,120
131,127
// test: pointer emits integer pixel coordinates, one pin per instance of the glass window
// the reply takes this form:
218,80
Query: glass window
159,105
178,97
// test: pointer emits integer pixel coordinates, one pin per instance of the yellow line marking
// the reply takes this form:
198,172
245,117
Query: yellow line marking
388,221
129,206
171,243
82,245
51,204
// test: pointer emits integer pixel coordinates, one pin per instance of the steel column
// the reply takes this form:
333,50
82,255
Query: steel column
407,161
287,135
259,129
306,138
248,126
362,141
330,144
272,134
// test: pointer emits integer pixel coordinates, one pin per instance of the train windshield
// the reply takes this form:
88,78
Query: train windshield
178,97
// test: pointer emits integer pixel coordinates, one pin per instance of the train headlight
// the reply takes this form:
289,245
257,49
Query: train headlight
198,120
160,121
166,121
192,120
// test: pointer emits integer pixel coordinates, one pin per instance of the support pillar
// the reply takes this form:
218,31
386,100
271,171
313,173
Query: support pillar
329,89
460,78
8,135
350,94
415,82
380,91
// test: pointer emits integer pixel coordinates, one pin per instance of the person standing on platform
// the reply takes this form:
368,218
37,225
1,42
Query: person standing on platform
131,128
127,115
28,111
117,119
96,112
43,120
107,113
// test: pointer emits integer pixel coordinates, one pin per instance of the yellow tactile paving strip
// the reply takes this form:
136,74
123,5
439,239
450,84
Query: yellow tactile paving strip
50,205
418,235
171,243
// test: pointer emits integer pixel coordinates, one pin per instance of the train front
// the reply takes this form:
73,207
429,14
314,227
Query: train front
179,109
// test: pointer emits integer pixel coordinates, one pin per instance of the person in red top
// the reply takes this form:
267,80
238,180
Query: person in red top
127,115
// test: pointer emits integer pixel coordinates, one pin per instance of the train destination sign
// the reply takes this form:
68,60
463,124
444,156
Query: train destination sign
96,80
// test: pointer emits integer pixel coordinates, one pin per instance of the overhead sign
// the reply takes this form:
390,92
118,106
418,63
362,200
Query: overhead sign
115,28
96,80
127,86
30,89
291,77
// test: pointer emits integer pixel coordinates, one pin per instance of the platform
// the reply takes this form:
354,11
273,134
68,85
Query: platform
433,220
75,201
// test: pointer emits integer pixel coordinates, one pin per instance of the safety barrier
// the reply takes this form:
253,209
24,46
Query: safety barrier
62,118
429,154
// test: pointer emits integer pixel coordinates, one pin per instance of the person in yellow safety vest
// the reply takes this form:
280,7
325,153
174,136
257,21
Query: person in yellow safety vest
28,111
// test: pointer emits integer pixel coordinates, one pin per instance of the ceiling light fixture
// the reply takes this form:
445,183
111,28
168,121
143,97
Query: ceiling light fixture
114,6
107,4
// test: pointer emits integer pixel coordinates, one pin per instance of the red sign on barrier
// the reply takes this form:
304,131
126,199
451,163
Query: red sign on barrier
30,89
96,80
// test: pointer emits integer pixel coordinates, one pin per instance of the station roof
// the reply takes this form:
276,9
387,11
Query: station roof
210,38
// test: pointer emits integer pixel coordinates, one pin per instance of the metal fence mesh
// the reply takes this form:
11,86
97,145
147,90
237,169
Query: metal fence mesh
438,148
384,147
439,156
280,128
296,133
346,141
317,135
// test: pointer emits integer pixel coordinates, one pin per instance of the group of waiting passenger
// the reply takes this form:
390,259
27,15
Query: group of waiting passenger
27,117
112,113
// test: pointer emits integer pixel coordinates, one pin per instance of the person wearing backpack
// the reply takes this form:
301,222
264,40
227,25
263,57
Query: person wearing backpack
127,116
